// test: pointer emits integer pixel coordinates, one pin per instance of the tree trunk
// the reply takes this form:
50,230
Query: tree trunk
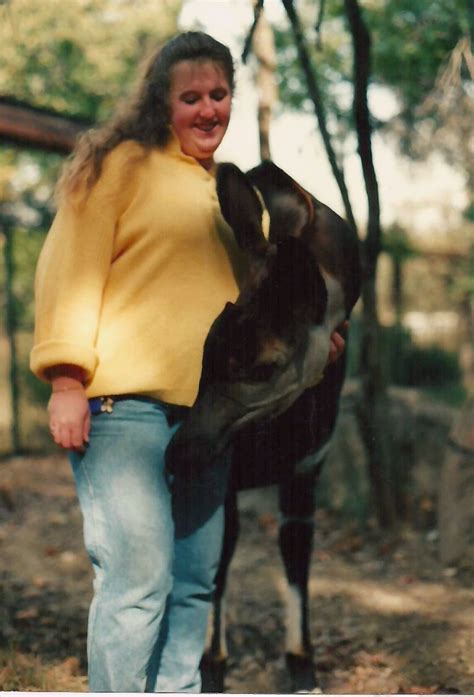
10,325
397,290
373,412
263,45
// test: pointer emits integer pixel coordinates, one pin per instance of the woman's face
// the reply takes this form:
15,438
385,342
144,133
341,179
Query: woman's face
200,101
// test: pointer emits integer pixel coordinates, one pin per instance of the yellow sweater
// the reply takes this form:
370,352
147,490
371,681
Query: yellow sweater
130,279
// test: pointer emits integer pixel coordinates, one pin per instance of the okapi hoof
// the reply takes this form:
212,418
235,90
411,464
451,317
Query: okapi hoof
213,674
302,674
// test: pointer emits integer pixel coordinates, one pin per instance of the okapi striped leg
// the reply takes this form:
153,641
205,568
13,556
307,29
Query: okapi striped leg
213,664
296,543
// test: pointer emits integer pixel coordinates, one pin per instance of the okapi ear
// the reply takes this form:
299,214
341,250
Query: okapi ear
241,207
291,208
296,288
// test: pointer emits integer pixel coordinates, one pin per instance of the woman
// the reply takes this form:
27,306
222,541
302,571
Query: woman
136,266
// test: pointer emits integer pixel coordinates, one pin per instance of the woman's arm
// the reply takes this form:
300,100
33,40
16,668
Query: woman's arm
74,266
71,274
68,407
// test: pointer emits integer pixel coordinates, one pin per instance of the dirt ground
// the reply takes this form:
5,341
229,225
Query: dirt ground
386,617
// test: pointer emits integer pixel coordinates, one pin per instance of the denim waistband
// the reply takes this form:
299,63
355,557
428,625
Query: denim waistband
105,404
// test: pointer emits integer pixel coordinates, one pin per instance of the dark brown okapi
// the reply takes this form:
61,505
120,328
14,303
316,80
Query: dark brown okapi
266,388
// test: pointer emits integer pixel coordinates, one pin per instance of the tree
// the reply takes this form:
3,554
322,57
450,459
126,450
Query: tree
422,52
318,103
374,405
411,42
397,244
417,36
261,40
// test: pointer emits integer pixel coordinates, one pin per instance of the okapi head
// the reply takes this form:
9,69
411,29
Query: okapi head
269,346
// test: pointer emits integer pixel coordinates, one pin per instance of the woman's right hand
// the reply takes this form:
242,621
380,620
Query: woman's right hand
69,415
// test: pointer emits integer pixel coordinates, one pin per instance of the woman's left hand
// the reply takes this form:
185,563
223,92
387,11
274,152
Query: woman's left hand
337,343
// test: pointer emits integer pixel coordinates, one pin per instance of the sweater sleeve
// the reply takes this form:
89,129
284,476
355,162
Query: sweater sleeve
72,271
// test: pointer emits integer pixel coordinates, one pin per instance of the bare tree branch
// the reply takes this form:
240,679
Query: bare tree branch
263,45
319,23
315,95
248,41
373,410
361,43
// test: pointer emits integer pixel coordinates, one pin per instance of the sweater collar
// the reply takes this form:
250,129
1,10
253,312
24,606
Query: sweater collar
173,148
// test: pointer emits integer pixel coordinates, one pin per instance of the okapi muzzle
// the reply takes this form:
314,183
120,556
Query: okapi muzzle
265,350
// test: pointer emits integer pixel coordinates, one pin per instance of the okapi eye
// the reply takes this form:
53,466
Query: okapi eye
261,372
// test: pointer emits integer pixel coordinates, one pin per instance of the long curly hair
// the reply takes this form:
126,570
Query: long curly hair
145,118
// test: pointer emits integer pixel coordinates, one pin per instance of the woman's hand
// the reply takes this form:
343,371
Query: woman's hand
69,415
337,343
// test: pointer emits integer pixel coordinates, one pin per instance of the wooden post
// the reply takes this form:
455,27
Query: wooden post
28,126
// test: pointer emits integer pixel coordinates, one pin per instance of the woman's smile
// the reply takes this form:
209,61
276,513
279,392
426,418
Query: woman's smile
200,101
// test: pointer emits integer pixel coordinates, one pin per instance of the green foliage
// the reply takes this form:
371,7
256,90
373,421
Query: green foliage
75,57
432,368
26,184
417,366
452,393
26,248
33,390
78,58
396,345
469,212
411,43
331,59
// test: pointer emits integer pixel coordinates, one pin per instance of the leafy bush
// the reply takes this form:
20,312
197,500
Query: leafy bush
416,366
430,366
405,363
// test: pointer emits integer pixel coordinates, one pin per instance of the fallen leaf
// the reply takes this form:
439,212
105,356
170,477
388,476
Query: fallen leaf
28,614
70,666
268,522
352,543
39,582
68,557
420,690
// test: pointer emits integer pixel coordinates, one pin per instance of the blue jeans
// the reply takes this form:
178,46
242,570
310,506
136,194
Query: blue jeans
154,552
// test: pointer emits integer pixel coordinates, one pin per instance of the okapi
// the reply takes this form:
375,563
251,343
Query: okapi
266,388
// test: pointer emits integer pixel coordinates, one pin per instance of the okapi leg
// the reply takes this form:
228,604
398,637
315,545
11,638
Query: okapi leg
213,664
296,542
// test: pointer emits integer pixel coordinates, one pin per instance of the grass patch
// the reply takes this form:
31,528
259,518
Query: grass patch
27,673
